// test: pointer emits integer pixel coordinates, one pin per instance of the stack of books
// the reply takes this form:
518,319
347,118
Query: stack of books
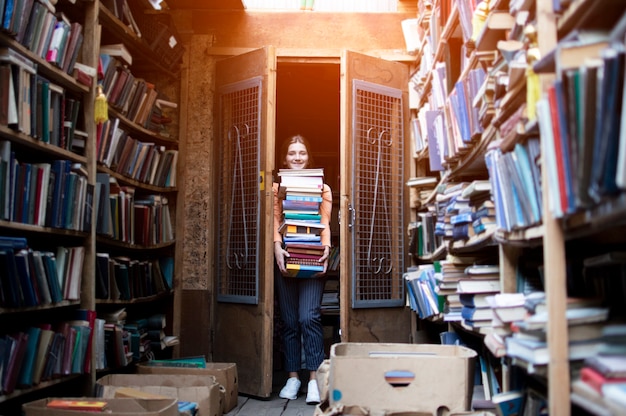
301,225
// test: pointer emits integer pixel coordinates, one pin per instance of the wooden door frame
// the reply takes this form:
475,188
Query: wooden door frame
255,379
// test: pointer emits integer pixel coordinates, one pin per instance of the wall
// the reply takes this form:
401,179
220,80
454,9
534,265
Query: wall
209,36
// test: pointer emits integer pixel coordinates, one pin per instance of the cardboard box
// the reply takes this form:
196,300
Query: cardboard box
116,407
224,373
394,378
205,391
323,409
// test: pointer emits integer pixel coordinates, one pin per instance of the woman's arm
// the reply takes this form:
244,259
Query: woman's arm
279,252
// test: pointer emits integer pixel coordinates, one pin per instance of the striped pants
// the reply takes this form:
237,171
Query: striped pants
300,310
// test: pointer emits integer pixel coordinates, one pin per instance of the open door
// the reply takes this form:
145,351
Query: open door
374,114
244,152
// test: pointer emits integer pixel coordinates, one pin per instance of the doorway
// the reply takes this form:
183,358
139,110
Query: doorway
353,110
308,103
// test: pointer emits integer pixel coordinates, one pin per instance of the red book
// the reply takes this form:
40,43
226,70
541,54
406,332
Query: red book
596,380
68,404
558,148
16,358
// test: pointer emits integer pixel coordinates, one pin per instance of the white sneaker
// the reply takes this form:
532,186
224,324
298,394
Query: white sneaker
290,391
313,393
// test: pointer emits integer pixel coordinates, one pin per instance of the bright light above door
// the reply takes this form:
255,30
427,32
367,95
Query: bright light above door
371,6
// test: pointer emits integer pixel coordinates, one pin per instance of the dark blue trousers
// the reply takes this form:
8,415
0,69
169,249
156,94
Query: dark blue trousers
300,310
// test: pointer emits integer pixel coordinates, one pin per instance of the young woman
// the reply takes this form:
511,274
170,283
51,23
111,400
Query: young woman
300,299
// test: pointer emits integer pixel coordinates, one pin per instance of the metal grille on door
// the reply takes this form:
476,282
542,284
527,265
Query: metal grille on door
238,213
377,195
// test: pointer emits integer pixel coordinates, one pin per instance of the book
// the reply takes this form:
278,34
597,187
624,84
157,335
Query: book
118,50
303,270
509,403
615,393
508,307
585,396
609,366
495,344
574,316
43,352
478,286
537,353
606,144
25,376
77,405
596,379
14,360
189,362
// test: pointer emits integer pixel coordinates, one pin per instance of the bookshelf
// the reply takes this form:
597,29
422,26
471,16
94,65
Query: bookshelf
37,141
48,223
137,162
564,228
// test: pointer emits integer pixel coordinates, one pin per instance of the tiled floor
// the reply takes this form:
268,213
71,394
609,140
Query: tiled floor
275,406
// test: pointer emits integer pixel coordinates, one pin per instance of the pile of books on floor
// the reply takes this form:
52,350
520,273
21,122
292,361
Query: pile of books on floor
301,222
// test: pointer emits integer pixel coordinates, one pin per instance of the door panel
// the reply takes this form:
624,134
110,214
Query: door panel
245,93
374,113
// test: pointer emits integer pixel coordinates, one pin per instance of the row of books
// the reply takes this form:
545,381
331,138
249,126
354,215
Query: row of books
433,290
125,278
120,341
46,352
585,160
32,277
41,109
515,179
47,33
53,194
142,161
123,12
130,217
132,96
301,225
462,212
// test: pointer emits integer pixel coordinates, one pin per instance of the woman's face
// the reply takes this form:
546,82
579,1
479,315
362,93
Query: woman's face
297,156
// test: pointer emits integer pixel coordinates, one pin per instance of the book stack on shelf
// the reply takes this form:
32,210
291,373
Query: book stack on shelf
480,281
301,220
602,379
422,296
38,353
451,273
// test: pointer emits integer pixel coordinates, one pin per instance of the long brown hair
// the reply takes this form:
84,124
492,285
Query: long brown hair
298,138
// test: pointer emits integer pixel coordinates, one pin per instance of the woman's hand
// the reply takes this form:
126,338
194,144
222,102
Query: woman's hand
280,254
324,259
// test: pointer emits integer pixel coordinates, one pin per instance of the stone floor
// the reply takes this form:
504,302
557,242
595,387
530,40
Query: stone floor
274,406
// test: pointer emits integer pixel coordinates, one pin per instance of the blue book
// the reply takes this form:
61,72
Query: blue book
60,170
167,269
606,137
13,242
11,291
49,262
9,6
26,283
190,407
462,113
522,162
303,198
25,377
27,195
68,211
